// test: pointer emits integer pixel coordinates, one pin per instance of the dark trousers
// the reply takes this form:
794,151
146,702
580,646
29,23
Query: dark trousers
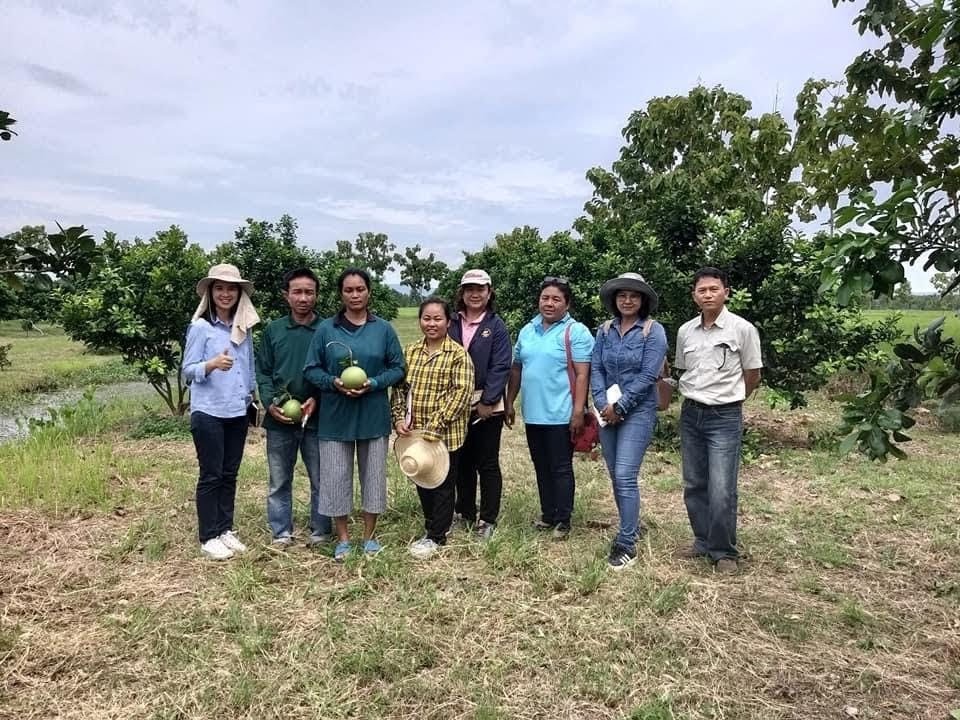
437,503
219,443
552,454
480,457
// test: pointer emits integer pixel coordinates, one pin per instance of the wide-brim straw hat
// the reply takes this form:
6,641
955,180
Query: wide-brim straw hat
627,281
225,273
426,463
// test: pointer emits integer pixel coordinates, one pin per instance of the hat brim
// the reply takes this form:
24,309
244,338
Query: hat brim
609,290
441,459
245,285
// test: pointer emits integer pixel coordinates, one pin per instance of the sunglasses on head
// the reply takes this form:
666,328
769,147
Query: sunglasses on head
556,280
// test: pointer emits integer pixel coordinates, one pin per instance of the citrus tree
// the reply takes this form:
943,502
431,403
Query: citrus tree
138,301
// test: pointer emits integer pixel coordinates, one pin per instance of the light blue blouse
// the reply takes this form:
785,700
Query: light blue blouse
222,393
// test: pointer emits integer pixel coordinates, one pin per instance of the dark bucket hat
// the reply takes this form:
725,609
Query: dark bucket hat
627,281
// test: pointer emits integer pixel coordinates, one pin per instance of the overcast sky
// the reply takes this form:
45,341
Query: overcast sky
439,123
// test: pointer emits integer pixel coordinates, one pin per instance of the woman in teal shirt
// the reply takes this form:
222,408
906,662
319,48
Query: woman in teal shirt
354,422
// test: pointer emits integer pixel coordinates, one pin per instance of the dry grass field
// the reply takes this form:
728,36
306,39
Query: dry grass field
848,603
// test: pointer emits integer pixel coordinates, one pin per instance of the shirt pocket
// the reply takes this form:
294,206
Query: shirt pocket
691,358
725,353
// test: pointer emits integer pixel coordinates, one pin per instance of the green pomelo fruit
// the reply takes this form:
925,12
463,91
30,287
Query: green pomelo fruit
291,408
353,377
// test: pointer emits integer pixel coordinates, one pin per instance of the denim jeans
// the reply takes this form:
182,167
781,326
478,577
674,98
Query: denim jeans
219,444
624,446
552,454
710,439
283,444
480,457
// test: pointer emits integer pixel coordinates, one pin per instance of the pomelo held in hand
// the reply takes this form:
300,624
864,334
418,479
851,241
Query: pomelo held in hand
292,409
353,377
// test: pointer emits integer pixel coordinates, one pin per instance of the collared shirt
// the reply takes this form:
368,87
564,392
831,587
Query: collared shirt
435,394
468,328
713,359
631,361
545,397
222,393
280,361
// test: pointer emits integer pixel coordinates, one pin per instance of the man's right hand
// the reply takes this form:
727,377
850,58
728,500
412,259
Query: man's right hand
278,415
509,416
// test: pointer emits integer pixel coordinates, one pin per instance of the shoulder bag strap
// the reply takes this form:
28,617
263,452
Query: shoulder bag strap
570,373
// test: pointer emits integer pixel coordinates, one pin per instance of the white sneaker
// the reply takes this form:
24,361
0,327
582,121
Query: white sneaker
424,548
215,549
230,539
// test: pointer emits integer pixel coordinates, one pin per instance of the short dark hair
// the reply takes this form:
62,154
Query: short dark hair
300,272
560,283
434,300
459,304
711,272
353,271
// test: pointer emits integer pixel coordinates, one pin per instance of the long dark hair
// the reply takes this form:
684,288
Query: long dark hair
212,308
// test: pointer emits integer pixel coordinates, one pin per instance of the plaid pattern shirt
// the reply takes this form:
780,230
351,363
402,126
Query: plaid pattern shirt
436,392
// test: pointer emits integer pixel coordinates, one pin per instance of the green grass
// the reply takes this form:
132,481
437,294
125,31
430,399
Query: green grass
407,325
909,319
848,594
42,363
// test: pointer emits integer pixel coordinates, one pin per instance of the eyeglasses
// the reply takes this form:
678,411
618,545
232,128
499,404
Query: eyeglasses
556,280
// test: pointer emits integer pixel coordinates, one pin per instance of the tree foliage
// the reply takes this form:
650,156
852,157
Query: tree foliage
418,271
881,154
66,255
878,152
372,251
138,301
6,125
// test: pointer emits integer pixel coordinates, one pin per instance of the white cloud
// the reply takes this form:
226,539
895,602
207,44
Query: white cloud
451,120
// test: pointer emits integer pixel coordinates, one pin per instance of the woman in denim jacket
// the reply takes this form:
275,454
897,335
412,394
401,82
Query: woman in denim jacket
627,358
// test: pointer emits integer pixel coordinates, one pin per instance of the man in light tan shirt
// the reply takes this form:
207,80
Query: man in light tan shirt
719,353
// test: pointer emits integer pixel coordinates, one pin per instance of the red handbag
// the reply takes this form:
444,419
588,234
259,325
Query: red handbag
589,437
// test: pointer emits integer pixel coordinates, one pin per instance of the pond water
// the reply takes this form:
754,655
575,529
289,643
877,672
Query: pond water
13,420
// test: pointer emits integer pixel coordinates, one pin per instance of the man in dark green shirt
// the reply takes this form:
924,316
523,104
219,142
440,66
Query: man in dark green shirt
280,360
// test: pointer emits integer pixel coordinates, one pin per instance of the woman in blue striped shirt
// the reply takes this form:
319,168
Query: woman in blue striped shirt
218,366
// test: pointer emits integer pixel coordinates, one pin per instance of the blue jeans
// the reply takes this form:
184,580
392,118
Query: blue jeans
219,444
624,446
710,439
283,444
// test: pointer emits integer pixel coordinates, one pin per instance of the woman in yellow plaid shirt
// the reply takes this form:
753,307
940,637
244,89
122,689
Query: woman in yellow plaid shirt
434,399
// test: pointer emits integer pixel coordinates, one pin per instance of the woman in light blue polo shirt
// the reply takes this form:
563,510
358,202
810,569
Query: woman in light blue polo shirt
552,415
